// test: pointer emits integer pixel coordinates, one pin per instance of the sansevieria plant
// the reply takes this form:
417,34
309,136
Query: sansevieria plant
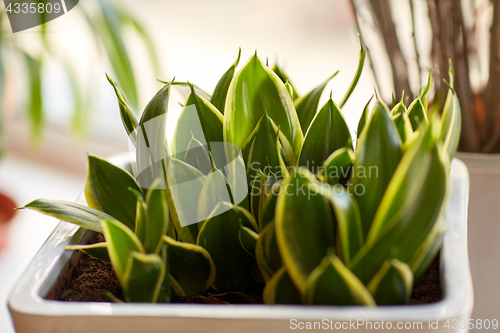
263,186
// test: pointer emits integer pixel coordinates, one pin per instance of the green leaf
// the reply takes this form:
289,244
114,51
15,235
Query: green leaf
184,185
151,152
121,243
237,177
327,133
259,151
428,250
332,283
412,223
354,83
304,226
285,79
219,235
402,122
201,120
405,184
197,156
112,297
307,105
289,87
452,120
191,267
257,185
416,113
143,278
35,104
392,284
97,250
399,108
268,205
146,39
348,219
81,116
263,209
378,153
128,118
140,216
168,284
213,192
281,290
364,118
157,219
338,166
248,240
424,94
254,91
187,86
106,189
220,92
83,216
267,252
108,23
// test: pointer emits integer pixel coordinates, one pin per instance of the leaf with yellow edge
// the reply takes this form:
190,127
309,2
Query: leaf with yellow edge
281,290
121,243
392,284
191,266
332,283
304,226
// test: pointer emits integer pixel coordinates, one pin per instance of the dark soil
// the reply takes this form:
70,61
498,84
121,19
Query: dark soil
87,279
428,288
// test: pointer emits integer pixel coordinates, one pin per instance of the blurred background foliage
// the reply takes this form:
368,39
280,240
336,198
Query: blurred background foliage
108,22
406,38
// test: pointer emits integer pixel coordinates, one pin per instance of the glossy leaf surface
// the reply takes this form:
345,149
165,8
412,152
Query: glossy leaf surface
392,284
255,91
220,92
191,267
307,105
107,190
143,278
219,235
332,283
121,243
304,227
281,290
327,133
378,153
83,216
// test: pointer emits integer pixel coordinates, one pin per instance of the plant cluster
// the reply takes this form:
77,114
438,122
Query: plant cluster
204,214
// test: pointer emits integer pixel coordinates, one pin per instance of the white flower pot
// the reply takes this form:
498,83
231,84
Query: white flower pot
32,313
484,231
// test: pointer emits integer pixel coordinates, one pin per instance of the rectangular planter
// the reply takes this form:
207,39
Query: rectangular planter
32,313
